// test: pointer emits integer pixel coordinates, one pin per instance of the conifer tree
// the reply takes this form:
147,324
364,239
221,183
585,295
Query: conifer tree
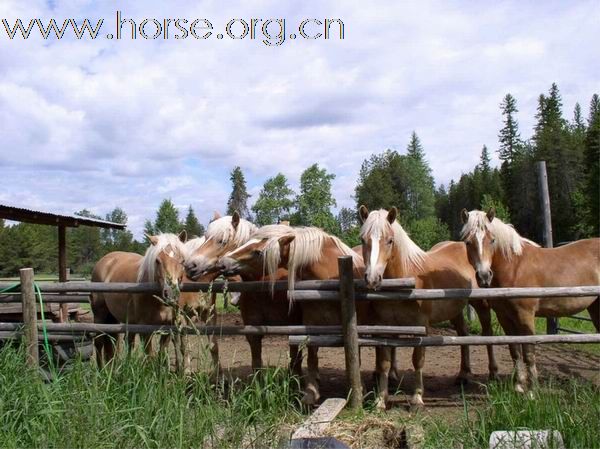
238,200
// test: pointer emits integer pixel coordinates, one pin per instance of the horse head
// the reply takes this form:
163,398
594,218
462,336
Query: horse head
480,242
377,236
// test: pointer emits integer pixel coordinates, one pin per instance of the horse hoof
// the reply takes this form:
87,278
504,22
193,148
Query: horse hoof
380,404
493,377
416,407
519,389
462,379
416,403
310,397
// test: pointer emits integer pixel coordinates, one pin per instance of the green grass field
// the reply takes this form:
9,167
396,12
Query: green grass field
138,402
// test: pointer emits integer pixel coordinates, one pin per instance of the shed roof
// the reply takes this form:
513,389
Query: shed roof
48,218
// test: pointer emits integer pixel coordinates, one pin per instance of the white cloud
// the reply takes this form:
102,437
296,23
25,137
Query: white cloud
103,123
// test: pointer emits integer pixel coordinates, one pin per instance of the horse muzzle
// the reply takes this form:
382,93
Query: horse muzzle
373,280
227,267
484,278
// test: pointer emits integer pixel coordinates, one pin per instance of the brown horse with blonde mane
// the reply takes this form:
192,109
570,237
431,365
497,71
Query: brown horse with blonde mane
305,253
502,258
163,264
225,234
389,252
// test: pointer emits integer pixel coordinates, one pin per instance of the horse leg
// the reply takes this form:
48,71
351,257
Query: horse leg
311,389
110,342
527,327
146,341
465,357
295,360
418,359
484,313
214,340
255,342
594,311
394,372
99,343
515,350
382,369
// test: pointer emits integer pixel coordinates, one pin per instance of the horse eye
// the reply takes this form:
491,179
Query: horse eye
493,241
390,241
468,242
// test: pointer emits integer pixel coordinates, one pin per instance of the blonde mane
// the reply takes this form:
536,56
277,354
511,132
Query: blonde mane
507,239
166,242
408,252
222,229
306,249
193,244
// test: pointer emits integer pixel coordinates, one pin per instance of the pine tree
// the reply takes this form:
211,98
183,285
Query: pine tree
419,188
484,160
551,141
315,199
238,200
191,224
510,138
592,167
167,218
274,201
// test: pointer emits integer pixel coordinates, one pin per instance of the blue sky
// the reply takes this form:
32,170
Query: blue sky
96,124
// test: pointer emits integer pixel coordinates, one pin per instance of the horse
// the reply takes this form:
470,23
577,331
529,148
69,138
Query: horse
503,258
305,253
389,252
225,234
162,263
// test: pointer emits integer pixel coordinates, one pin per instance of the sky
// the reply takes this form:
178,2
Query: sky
100,123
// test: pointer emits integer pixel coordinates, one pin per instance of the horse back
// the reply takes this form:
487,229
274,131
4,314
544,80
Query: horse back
577,263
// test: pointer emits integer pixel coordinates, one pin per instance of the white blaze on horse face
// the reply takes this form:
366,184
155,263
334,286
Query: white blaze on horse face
374,260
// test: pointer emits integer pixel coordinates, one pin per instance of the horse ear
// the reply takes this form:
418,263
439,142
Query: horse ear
216,215
464,215
284,245
235,219
392,214
183,236
153,239
491,213
363,213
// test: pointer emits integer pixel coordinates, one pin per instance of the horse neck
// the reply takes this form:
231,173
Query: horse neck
327,265
508,271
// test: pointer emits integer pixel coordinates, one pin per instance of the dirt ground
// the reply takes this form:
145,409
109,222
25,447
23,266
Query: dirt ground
441,366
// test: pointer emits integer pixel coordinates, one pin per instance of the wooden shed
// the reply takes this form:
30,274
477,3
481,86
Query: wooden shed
62,222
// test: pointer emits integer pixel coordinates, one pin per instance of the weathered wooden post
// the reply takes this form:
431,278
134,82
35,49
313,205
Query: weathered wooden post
551,323
350,331
62,269
29,317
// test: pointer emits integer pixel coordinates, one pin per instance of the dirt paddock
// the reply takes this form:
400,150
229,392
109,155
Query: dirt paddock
441,366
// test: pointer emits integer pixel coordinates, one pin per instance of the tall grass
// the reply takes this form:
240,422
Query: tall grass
137,402
572,408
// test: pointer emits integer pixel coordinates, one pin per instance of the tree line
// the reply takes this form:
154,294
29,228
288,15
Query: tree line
571,149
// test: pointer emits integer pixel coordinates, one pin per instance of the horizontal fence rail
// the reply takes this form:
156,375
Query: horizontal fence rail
78,298
443,340
217,286
216,330
455,293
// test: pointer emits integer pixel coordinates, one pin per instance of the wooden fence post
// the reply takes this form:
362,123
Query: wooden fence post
29,316
551,323
350,331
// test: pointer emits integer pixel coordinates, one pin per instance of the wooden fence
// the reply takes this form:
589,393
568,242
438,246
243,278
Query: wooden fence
348,334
